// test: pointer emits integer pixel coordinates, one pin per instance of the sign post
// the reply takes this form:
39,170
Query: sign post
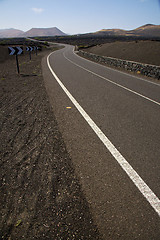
29,49
16,51
35,49
17,63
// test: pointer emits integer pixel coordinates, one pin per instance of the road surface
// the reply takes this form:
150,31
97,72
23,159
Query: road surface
110,122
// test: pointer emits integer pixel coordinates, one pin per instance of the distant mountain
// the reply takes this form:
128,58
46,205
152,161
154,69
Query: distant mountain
109,32
9,33
148,30
37,32
34,32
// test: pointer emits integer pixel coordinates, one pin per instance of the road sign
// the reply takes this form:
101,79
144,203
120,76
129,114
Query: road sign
15,50
19,50
34,48
12,51
29,49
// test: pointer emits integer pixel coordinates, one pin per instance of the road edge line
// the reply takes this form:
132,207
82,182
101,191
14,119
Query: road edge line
132,174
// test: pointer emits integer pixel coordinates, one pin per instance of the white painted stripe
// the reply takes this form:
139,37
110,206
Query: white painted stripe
116,70
137,180
20,50
140,95
12,50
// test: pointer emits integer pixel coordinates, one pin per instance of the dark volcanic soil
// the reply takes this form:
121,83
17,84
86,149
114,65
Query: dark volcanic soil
138,51
40,197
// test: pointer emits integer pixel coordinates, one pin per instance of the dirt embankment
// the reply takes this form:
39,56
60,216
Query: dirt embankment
138,51
40,197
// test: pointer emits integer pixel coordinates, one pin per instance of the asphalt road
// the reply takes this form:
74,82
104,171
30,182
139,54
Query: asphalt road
110,122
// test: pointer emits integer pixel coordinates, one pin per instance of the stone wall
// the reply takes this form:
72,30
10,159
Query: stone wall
145,69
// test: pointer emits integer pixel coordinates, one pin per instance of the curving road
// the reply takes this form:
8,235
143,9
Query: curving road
110,122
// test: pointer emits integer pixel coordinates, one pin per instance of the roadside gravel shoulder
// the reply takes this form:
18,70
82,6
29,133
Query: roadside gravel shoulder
41,197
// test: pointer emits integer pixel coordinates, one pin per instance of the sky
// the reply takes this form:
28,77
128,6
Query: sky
82,16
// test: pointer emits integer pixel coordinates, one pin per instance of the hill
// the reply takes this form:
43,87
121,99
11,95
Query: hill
148,30
34,32
37,32
9,33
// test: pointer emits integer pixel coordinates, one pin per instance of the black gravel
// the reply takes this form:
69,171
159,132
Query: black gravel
41,197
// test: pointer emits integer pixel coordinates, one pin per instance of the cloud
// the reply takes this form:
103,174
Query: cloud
37,10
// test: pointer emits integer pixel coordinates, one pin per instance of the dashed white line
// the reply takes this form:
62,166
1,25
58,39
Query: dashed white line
133,175
138,94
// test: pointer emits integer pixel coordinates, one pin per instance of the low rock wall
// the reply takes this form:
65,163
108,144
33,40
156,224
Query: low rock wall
145,69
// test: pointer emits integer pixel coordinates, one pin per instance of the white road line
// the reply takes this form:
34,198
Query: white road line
138,94
137,180
116,70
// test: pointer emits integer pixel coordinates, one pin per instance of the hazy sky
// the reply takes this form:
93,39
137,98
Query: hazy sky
73,17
